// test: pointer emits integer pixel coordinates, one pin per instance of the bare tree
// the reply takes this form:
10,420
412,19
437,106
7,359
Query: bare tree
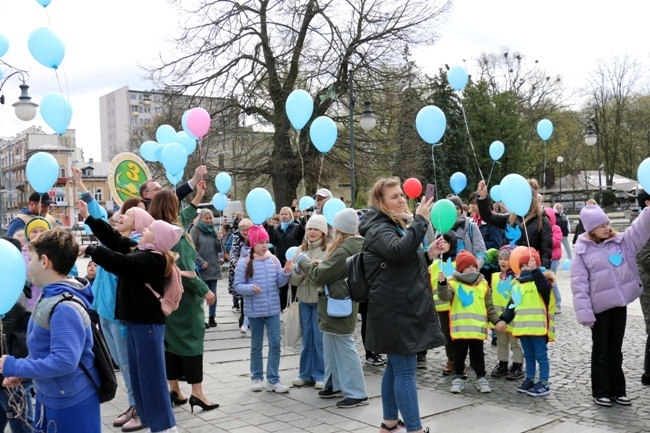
257,52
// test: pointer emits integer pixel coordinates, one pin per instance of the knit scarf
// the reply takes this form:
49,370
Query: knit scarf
206,228
285,225
470,278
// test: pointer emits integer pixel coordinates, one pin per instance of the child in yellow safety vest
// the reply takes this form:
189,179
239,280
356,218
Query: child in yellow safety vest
531,311
471,309
502,283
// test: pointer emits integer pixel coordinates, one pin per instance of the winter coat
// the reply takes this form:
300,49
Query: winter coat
557,235
14,329
541,240
492,236
563,222
643,262
208,248
469,238
401,317
332,272
605,275
308,289
268,274
282,240
233,259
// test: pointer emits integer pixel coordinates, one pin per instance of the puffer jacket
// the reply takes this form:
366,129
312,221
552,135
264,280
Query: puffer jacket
268,274
282,240
469,238
308,289
605,275
557,235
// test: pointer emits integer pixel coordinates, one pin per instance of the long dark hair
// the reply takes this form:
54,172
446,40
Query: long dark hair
249,265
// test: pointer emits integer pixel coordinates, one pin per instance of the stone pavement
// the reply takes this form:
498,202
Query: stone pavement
569,408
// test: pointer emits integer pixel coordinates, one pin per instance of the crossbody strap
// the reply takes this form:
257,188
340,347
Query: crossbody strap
379,268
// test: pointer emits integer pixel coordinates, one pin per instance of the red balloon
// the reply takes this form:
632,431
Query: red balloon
412,187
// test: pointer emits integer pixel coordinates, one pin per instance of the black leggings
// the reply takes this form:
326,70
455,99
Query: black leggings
476,356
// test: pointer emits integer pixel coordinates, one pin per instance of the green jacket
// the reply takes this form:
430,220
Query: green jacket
185,327
643,263
308,290
333,272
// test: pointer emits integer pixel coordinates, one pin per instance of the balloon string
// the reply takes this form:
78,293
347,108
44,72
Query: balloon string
526,231
322,158
544,174
487,183
435,176
302,161
462,109
200,143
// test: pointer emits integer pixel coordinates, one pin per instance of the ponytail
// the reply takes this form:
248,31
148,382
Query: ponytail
249,265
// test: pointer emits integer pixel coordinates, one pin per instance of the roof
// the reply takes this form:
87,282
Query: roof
100,169
588,179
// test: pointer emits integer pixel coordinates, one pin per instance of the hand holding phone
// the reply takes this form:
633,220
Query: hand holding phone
430,191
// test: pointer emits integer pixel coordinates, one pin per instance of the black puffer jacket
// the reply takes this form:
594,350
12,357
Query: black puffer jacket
282,240
401,317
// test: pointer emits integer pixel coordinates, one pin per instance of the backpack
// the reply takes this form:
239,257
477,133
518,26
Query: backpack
358,285
103,360
172,287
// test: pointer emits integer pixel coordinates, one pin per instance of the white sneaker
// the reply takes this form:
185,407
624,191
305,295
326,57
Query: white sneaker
483,386
457,385
256,386
278,387
299,382
319,384
243,329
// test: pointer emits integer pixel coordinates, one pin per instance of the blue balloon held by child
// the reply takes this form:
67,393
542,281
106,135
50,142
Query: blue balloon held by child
290,253
566,264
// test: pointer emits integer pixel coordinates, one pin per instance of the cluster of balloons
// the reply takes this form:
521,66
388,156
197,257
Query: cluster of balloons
223,183
42,171
322,132
259,205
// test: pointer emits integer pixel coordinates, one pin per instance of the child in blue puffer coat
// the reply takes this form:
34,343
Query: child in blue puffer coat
258,278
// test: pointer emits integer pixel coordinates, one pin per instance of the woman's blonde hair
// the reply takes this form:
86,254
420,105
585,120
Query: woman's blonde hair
205,212
339,237
376,198
323,242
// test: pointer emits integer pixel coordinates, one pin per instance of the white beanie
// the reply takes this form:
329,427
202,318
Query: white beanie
317,222
346,221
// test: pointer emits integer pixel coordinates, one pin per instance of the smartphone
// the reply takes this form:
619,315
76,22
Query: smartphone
430,191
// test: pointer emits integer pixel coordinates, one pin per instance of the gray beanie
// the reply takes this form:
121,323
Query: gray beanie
346,221
317,222
456,201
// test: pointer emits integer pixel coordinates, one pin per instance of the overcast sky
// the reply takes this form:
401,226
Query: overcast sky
106,41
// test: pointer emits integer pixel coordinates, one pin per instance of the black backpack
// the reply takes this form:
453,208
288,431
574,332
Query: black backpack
358,284
103,362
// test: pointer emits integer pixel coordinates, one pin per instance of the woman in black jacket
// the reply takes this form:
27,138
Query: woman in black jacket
401,317
286,235
538,227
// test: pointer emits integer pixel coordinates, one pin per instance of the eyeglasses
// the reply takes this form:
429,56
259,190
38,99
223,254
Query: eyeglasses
158,188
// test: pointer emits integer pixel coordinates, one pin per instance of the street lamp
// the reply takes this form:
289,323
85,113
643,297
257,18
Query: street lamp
591,138
25,109
367,121
560,160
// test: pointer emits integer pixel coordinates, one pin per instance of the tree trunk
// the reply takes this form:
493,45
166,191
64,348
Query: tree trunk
284,169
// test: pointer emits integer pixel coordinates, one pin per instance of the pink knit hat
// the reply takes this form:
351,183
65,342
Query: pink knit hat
142,219
166,235
257,234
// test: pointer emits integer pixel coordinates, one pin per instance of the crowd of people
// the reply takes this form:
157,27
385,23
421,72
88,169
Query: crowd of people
490,277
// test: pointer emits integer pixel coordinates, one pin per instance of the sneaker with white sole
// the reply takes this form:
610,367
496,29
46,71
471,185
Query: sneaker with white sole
300,382
603,401
256,386
277,387
457,385
483,386
539,390
350,402
319,384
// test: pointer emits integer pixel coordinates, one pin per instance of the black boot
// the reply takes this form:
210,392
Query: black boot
516,372
500,370
212,322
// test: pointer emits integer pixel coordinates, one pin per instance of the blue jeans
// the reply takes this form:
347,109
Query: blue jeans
567,247
311,355
257,325
399,393
117,346
343,365
535,351
18,423
212,309
556,289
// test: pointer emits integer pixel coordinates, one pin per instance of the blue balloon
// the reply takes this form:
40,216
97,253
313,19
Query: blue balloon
188,142
56,111
46,47
159,150
42,171
457,77
223,182
258,202
331,208
4,46
299,108
14,275
566,264
643,174
175,179
495,193
323,133
148,151
44,3
166,134
219,201
290,253
431,123
458,182
271,209
544,129
516,194
305,203
174,158
496,150
185,128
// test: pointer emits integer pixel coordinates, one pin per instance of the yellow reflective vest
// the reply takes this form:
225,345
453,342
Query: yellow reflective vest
532,317
468,316
501,298
433,275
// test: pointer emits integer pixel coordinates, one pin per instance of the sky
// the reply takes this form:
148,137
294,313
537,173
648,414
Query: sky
107,43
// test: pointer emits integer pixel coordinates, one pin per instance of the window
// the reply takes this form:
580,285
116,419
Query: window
99,194
62,172
134,97
88,172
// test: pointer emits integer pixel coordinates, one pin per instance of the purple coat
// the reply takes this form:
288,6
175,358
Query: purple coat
605,275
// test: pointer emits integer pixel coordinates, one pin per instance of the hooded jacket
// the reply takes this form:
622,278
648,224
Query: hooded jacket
557,234
401,317
268,274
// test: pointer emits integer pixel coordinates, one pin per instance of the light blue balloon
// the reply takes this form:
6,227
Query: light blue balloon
159,150
56,111
643,174
46,47
331,208
185,128
258,202
165,134
271,209
323,133
148,150
219,201
566,264
44,3
4,46
496,150
516,194
175,179
305,203
290,253
431,123
457,77
174,158
299,108
42,171
458,182
544,129
223,182
188,142
14,275
495,193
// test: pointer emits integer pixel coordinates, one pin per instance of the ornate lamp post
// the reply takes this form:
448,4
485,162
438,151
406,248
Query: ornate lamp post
560,160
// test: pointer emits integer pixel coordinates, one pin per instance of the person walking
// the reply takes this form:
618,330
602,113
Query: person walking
565,225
